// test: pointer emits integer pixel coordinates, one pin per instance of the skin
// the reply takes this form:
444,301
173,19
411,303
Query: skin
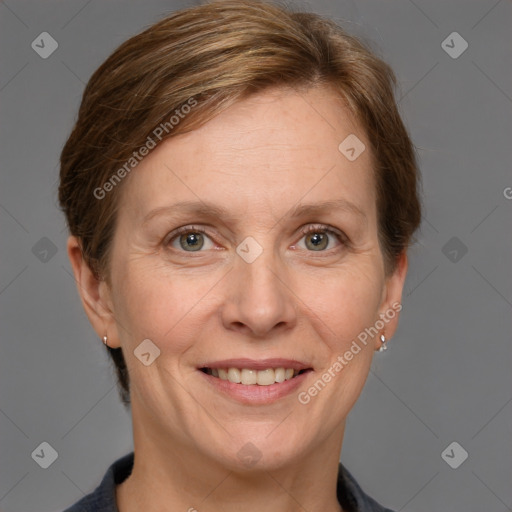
258,159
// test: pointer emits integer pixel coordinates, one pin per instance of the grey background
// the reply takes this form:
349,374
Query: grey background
446,376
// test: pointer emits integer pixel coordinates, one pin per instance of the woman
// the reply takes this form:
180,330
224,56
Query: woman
240,192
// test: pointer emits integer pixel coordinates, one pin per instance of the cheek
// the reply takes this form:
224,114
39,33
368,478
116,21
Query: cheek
352,310
347,304
160,305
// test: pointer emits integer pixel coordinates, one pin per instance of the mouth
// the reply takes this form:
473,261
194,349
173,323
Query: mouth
254,376
255,382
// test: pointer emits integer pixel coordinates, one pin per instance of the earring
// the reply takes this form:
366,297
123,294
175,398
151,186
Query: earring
383,346
105,340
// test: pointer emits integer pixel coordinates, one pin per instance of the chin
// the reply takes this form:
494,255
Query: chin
268,450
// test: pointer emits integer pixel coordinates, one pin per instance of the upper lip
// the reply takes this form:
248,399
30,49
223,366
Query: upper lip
258,364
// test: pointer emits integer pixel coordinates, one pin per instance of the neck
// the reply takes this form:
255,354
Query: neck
168,475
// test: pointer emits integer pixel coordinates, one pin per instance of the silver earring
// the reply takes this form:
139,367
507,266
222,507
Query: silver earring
383,346
105,340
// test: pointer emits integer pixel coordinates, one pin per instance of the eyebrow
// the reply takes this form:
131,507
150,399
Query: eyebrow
211,210
301,210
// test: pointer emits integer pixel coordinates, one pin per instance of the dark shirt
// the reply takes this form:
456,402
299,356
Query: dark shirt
103,499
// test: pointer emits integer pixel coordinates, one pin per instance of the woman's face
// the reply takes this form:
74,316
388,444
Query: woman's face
277,264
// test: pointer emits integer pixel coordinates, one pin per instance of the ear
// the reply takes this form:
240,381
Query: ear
95,295
391,304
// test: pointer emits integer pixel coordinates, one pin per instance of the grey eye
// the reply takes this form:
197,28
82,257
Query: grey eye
191,241
317,241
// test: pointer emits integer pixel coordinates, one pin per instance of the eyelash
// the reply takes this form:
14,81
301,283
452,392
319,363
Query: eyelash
305,230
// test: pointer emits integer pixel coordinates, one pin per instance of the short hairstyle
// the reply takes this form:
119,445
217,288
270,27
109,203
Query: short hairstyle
190,66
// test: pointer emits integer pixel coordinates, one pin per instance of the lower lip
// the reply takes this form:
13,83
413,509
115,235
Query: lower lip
255,394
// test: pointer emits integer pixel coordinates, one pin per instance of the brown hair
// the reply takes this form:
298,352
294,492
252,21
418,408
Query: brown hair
200,61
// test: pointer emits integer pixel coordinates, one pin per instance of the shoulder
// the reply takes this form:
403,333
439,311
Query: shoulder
352,498
103,498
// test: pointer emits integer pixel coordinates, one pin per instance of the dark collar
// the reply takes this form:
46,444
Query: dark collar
103,499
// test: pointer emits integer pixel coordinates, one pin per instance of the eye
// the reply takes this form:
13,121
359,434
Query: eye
317,238
320,238
189,239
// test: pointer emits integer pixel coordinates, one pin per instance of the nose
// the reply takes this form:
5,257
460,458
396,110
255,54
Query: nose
259,301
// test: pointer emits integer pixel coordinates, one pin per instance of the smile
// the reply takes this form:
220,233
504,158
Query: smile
255,381
254,377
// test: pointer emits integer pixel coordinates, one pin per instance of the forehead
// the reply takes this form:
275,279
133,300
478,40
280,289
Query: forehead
268,151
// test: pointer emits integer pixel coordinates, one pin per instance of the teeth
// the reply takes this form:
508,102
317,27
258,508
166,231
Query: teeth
234,375
266,377
250,377
279,374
